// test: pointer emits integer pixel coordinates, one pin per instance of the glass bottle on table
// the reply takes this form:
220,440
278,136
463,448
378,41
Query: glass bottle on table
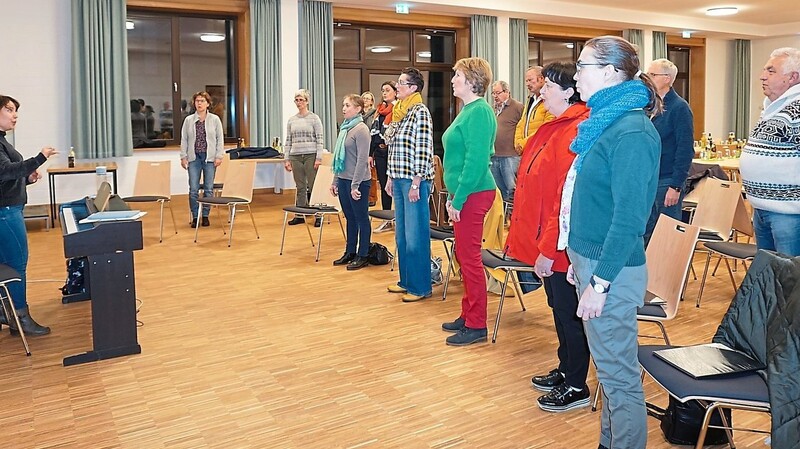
71,158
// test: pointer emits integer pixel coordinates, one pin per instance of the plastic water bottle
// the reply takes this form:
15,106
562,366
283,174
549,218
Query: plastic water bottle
101,175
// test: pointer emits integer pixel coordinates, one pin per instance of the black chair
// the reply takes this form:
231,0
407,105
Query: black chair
8,275
499,261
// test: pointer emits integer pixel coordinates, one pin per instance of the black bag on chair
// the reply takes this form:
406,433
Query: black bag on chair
681,422
378,254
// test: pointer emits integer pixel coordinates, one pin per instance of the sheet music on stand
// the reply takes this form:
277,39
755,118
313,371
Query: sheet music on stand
69,220
115,215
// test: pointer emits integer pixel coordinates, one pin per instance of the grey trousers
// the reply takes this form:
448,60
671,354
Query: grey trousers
613,343
304,174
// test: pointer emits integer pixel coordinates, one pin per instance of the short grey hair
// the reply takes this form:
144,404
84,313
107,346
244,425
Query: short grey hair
503,85
669,67
535,69
303,93
792,61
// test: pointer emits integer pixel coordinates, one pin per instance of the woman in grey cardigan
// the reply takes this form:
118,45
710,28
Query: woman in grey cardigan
201,152
352,179
303,148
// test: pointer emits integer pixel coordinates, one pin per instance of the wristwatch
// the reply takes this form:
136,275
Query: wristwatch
599,288
677,189
414,186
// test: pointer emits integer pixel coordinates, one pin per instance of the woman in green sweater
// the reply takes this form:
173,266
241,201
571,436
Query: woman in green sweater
468,148
607,198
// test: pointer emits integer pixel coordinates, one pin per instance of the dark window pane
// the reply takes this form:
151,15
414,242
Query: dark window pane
388,45
346,44
557,51
533,53
346,81
435,46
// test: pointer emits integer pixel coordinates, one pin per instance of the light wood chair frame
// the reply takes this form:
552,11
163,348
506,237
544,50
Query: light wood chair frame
152,185
236,191
9,276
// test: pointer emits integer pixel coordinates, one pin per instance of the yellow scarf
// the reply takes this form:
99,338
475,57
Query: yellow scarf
401,107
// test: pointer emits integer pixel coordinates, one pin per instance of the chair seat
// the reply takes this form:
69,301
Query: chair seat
492,259
742,388
382,214
309,210
709,236
442,232
144,199
733,249
651,310
8,274
221,200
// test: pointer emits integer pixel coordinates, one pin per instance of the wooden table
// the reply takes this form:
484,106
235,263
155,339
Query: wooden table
88,167
731,165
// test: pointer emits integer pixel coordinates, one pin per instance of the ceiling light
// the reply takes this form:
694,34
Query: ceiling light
424,54
426,36
212,37
722,11
686,34
570,45
380,49
129,25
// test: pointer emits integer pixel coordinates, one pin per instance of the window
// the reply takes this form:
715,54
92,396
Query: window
680,57
543,51
170,58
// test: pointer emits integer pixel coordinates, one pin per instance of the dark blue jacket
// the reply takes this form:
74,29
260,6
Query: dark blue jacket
676,128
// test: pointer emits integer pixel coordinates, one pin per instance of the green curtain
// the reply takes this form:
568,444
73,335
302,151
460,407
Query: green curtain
483,41
741,88
316,62
660,45
101,121
518,59
635,37
265,72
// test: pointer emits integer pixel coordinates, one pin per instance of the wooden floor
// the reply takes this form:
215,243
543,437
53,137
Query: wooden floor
243,348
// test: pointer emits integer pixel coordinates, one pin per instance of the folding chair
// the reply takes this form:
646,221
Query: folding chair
237,191
497,260
8,275
386,216
152,185
439,193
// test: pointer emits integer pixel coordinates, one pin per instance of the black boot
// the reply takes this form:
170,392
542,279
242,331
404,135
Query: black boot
29,325
345,259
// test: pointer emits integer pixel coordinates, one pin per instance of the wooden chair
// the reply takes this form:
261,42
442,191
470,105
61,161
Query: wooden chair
8,275
237,191
152,185
439,194
219,174
321,205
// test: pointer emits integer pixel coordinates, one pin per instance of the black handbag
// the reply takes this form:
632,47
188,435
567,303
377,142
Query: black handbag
681,422
378,254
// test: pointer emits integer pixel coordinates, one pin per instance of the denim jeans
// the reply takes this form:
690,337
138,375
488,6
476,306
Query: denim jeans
14,250
504,170
413,235
196,167
777,232
357,214
673,211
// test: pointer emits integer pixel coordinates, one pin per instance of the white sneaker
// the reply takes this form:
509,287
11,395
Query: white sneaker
384,227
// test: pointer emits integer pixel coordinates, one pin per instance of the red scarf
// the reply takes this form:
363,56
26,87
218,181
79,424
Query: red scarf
385,110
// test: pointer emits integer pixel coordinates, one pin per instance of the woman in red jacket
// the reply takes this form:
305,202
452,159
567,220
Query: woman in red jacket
533,235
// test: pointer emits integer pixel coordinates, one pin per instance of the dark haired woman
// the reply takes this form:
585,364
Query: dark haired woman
379,150
533,235
15,174
607,199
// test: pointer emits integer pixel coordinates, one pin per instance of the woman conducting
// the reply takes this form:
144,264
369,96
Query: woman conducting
378,151
15,175
201,152
303,148
351,181
533,235
410,170
607,199
468,149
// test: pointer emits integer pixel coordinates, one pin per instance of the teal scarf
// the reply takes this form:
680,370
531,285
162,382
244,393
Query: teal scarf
338,150
607,105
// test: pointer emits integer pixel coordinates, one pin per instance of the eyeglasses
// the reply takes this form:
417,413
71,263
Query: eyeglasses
494,94
657,74
301,100
580,65
404,83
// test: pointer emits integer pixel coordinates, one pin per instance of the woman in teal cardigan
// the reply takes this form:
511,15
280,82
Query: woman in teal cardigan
468,148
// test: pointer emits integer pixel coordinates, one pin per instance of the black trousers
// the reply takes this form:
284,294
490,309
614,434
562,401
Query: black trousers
381,158
573,351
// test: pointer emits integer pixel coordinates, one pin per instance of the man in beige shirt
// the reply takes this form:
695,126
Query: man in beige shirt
505,161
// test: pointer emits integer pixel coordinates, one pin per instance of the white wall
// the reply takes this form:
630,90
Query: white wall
719,87
759,52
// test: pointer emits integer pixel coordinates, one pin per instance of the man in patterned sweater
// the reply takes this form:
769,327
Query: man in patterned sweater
770,164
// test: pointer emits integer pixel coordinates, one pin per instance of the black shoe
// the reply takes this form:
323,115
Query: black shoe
344,260
317,222
29,325
205,221
454,326
563,398
466,336
357,263
548,381
372,204
296,221
193,223
600,446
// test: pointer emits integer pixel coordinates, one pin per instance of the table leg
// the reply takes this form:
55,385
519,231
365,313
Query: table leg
114,179
52,187
278,188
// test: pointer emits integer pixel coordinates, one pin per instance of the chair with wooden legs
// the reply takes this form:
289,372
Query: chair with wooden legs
152,185
236,191
219,174
439,193
8,275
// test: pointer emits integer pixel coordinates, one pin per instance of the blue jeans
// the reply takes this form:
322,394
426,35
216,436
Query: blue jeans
14,250
612,339
673,211
777,232
413,235
357,215
504,170
196,167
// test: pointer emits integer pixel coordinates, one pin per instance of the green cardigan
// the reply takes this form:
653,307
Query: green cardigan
614,193
468,149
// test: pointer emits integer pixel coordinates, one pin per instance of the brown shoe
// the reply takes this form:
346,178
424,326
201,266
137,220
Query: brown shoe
394,288
414,298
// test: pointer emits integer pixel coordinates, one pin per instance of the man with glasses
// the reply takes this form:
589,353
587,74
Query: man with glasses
534,114
505,161
676,128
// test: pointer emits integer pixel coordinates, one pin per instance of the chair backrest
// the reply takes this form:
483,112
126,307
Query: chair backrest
152,179
742,221
668,256
238,182
493,235
321,191
717,206
438,175
222,170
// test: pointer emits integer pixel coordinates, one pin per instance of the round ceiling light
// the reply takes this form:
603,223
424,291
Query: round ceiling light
129,25
722,11
212,37
380,49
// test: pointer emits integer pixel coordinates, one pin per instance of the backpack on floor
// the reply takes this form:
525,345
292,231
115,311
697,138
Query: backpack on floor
436,271
378,254
681,422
